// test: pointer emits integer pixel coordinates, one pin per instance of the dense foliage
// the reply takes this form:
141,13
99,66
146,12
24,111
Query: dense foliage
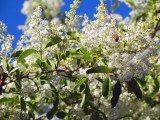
107,68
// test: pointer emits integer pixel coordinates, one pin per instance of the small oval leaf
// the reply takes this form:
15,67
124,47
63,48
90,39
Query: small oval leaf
25,53
3,61
73,35
53,41
23,104
116,93
55,99
135,88
50,115
99,69
80,82
83,100
61,114
16,54
106,87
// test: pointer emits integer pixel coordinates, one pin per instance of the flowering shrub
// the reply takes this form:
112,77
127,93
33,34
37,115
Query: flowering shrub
108,68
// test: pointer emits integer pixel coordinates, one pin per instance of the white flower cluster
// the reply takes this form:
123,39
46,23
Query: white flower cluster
126,105
51,7
37,32
140,7
36,36
127,48
128,51
50,10
11,113
5,40
136,6
72,19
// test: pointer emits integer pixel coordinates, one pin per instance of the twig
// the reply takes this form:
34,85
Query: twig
43,115
123,87
38,73
31,75
112,6
156,59
77,101
103,3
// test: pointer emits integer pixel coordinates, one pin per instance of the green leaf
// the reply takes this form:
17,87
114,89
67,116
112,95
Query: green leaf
38,61
83,50
35,65
16,54
155,81
116,5
61,114
23,62
135,88
116,93
88,56
24,54
73,51
99,69
23,104
83,100
18,84
80,82
106,87
53,41
9,101
144,82
55,99
73,35
48,64
51,63
86,94
130,2
36,55
3,61
45,65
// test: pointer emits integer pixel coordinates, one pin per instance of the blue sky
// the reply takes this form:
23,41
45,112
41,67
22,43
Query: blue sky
10,12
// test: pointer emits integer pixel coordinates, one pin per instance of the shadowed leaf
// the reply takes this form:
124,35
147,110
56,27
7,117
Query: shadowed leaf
135,88
55,99
116,93
99,69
